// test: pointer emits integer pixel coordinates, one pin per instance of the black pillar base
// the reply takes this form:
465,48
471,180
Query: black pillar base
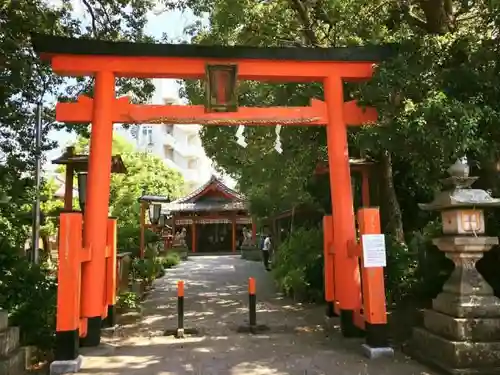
110,320
67,345
377,335
347,326
93,337
330,309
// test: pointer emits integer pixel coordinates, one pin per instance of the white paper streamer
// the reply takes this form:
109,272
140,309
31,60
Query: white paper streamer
277,143
240,137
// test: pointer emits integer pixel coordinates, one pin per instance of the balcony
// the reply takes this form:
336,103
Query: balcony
191,129
169,140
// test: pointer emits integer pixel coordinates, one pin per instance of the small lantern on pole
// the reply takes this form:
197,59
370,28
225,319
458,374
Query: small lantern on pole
82,189
154,213
221,88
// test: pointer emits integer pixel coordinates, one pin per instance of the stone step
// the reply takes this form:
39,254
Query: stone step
4,320
9,341
15,364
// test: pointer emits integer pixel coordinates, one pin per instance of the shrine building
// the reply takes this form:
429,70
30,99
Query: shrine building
213,215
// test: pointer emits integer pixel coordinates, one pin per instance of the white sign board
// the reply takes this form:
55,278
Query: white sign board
373,250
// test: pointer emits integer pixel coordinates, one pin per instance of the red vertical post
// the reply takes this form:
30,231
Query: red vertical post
328,265
347,285
254,232
111,280
373,286
96,209
68,288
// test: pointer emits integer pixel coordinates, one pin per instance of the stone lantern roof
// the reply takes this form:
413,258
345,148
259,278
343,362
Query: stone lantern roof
457,192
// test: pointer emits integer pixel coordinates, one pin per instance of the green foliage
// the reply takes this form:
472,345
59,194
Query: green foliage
148,268
50,207
417,270
128,301
298,265
170,260
28,293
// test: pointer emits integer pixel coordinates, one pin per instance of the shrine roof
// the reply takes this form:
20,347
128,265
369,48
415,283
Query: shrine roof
57,45
233,201
80,162
204,206
215,184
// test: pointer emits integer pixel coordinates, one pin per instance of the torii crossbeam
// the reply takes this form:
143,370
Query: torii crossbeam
125,112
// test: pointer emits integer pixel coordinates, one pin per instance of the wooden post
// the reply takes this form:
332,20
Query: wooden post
373,286
142,225
193,236
233,245
96,208
365,187
68,185
346,283
110,300
254,232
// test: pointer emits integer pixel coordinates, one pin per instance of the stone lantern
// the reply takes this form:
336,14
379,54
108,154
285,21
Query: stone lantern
461,333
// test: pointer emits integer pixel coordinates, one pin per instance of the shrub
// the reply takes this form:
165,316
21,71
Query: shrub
29,293
170,260
418,270
128,238
298,265
128,301
149,268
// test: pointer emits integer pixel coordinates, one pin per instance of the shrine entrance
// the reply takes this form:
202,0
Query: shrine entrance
222,67
213,217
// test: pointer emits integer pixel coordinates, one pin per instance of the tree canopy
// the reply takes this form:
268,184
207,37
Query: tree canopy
427,117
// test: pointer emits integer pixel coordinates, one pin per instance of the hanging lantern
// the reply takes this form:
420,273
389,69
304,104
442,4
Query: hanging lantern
154,213
221,83
82,189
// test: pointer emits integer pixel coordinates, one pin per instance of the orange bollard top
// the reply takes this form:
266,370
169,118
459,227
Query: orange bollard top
251,285
180,288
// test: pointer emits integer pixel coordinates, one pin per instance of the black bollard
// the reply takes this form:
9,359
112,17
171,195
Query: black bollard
180,309
252,299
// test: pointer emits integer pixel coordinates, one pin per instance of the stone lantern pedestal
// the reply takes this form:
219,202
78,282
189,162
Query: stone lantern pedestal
461,333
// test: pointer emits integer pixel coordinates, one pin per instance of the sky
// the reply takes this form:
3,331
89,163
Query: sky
172,23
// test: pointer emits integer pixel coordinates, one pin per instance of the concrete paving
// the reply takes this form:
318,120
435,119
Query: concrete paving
216,303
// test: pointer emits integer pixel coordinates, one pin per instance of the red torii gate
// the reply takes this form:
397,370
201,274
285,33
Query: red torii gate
108,60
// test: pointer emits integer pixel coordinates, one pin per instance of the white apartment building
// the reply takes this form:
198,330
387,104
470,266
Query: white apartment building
179,146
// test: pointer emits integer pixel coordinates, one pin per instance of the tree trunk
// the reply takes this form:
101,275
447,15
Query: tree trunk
392,208
438,15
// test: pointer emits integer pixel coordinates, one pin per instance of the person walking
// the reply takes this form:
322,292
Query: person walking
266,250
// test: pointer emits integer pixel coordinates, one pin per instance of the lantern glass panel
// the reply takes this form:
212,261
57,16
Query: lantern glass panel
154,213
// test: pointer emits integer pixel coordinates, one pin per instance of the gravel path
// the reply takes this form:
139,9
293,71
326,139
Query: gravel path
216,304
